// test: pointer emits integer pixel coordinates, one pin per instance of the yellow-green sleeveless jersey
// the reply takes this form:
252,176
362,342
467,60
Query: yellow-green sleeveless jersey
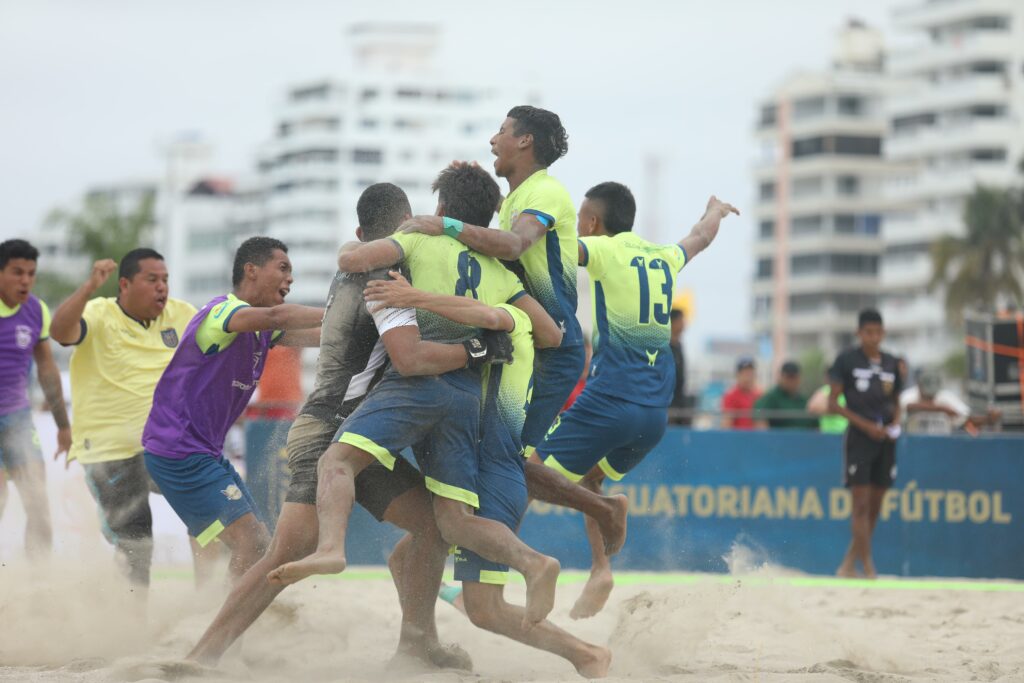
442,265
632,285
515,380
550,264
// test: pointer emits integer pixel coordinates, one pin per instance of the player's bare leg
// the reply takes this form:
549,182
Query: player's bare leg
335,495
247,538
487,609
874,511
204,562
294,538
860,529
30,480
599,586
609,512
417,564
496,542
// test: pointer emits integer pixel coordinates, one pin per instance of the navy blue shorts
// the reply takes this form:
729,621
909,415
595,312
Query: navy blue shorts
404,411
556,372
204,490
605,431
502,488
19,442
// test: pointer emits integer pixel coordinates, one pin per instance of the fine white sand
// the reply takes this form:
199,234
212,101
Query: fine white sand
75,623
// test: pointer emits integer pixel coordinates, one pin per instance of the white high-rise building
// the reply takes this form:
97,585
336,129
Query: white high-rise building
819,179
956,122
394,118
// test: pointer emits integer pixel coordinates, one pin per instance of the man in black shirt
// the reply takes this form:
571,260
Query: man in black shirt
870,380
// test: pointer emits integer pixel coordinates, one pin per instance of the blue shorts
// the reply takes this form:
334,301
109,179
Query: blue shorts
605,431
556,372
502,487
19,442
444,420
204,490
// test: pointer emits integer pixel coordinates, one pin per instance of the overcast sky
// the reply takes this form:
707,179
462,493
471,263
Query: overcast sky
90,88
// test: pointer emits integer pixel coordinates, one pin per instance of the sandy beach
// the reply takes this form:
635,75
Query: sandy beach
766,625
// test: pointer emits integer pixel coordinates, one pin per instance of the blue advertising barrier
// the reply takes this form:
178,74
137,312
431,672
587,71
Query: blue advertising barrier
957,508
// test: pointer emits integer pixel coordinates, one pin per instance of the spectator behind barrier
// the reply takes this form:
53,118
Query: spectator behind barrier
738,402
784,397
930,409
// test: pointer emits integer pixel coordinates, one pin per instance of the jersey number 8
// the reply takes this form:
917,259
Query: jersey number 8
470,274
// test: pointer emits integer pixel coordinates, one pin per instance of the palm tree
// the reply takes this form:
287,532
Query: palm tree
100,229
985,268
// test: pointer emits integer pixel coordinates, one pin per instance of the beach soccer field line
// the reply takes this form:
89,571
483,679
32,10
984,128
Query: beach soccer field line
680,579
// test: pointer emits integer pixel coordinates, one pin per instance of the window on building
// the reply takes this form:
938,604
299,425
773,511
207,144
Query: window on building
315,92
408,93
806,225
807,187
907,125
764,268
767,229
769,112
766,191
805,147
858,145
850,105
808,107
847,185
369,94
367,156
762,305
988,67
284,129
988,154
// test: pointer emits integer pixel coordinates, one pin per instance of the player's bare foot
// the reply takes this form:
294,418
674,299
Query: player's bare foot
540,591
594,663
425,656
595,594
869,570
846,571
613,527
317,563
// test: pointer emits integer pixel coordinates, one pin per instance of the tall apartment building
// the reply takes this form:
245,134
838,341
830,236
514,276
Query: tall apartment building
956,122
393,118
819,189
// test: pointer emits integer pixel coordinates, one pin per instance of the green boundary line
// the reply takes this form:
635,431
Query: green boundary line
677,579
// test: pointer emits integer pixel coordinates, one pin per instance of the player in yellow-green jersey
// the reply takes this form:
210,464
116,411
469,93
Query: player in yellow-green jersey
501,480
623,410
537,221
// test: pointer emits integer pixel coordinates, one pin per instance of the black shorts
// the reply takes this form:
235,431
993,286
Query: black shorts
376,486
866,461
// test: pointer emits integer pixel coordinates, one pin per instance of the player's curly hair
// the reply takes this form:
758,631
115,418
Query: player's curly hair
550,141
467,193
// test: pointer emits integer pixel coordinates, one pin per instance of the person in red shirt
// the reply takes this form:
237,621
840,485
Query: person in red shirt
738,402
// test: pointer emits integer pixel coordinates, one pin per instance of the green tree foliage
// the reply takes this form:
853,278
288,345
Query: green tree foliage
100,229
985,268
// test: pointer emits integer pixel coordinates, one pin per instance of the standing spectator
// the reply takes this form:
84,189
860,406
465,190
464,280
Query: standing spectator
930,409
738,402
677,320
870,380
24,340
785,397
818,405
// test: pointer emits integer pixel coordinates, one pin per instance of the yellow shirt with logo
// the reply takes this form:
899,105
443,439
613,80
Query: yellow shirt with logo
114,370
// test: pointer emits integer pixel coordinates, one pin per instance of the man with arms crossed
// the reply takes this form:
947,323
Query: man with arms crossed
870,380
24,339
443,411
122,346
205,388
352,357
501,479
623,410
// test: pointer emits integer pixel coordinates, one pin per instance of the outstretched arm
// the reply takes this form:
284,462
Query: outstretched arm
66,325
706,229
398,293
281,317
508,245
362,257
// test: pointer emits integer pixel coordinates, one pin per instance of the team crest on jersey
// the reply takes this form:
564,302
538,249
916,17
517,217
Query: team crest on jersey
169,337
232,492
23,336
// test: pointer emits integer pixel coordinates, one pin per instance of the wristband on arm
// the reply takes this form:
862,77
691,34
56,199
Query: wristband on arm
452,227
